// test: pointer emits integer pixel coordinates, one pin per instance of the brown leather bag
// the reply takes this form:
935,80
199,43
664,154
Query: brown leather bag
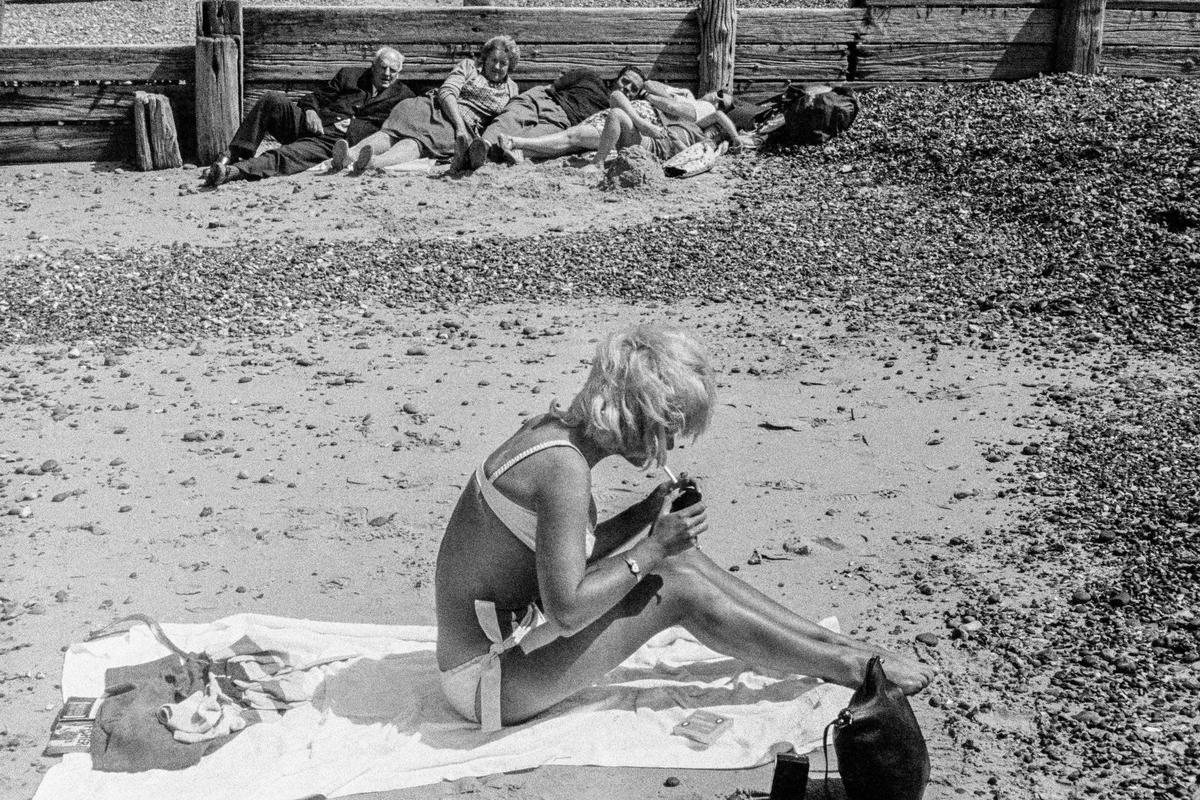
881,753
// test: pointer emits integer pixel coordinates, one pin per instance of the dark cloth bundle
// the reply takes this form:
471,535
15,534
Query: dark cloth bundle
881,752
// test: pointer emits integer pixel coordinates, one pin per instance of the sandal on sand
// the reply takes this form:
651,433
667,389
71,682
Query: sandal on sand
363,159
341,156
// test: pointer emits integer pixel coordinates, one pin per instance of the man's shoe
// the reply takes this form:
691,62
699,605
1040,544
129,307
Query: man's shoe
477,152
363,160
218,173
341,156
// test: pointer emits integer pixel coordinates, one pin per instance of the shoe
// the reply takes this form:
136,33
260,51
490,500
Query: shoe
341,156
477,153
363,160
217,174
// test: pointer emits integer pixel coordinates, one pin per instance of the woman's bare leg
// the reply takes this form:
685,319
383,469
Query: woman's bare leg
402,151
573,140
619,132
378,142
720,610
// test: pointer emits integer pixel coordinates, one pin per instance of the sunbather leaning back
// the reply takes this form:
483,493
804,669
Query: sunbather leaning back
445,125
536,601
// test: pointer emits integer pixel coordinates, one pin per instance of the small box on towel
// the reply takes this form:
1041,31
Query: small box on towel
703,727
71,731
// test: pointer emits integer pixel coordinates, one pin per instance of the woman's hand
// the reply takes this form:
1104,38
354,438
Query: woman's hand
678,531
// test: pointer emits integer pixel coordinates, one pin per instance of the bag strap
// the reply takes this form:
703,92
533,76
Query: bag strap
842,719
120,626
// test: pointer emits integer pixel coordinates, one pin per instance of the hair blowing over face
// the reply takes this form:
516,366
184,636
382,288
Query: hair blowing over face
646,383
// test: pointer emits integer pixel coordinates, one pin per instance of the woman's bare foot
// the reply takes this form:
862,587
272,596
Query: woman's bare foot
910,675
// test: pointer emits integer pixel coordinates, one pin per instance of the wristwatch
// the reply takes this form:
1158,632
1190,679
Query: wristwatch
634,569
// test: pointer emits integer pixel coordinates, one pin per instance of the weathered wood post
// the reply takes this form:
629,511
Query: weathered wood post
1080,36
155,140
718,37
218,75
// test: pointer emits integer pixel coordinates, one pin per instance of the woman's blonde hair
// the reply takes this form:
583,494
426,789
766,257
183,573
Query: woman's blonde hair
648,383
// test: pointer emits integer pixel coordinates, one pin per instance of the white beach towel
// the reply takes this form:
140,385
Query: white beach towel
379,721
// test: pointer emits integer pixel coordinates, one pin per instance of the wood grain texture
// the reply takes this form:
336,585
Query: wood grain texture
542,62
718,37
474,25
94,63
1151,62
758,62
1154,5
218,94
947,62
968,3
1152,28
799,25
1080,33
28,105
156,144
45,144
961,25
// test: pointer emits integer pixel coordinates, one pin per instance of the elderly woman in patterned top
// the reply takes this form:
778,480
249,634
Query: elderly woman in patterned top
474,92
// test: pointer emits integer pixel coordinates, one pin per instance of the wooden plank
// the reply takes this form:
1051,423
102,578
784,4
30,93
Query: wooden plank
1151,62
968,3
961,25
799,25
403,26
949,62
28,105
1152,29
1184,6
759,63
543,62
141,63
34,144
1080,34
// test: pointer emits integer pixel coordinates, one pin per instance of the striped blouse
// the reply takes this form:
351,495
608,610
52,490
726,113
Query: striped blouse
479,100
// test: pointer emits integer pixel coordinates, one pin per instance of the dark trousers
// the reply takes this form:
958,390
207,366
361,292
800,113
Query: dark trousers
279,116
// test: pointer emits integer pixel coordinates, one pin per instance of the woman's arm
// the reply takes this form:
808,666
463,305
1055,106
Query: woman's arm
574,593
670,101
448,99
620,528
644,126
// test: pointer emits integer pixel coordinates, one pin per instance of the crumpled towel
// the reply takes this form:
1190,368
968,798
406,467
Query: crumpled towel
205,714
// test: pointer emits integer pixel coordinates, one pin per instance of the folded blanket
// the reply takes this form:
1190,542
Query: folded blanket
380,722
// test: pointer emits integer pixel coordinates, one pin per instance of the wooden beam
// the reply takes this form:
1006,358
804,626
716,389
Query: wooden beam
1177,6
218,75
961,25
799,25
1080,36
1152,62
265,63
952,62
718,38
44,144
968,3
1151,28
138,63
807,62
28,105
402,26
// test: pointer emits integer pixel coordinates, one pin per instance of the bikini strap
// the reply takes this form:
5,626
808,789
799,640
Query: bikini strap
537,448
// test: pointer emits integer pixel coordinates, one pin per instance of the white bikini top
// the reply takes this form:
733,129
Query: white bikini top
520,521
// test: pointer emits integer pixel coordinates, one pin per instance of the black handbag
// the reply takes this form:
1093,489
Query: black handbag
881,753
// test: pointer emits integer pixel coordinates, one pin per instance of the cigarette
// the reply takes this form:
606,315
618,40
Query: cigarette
670,474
